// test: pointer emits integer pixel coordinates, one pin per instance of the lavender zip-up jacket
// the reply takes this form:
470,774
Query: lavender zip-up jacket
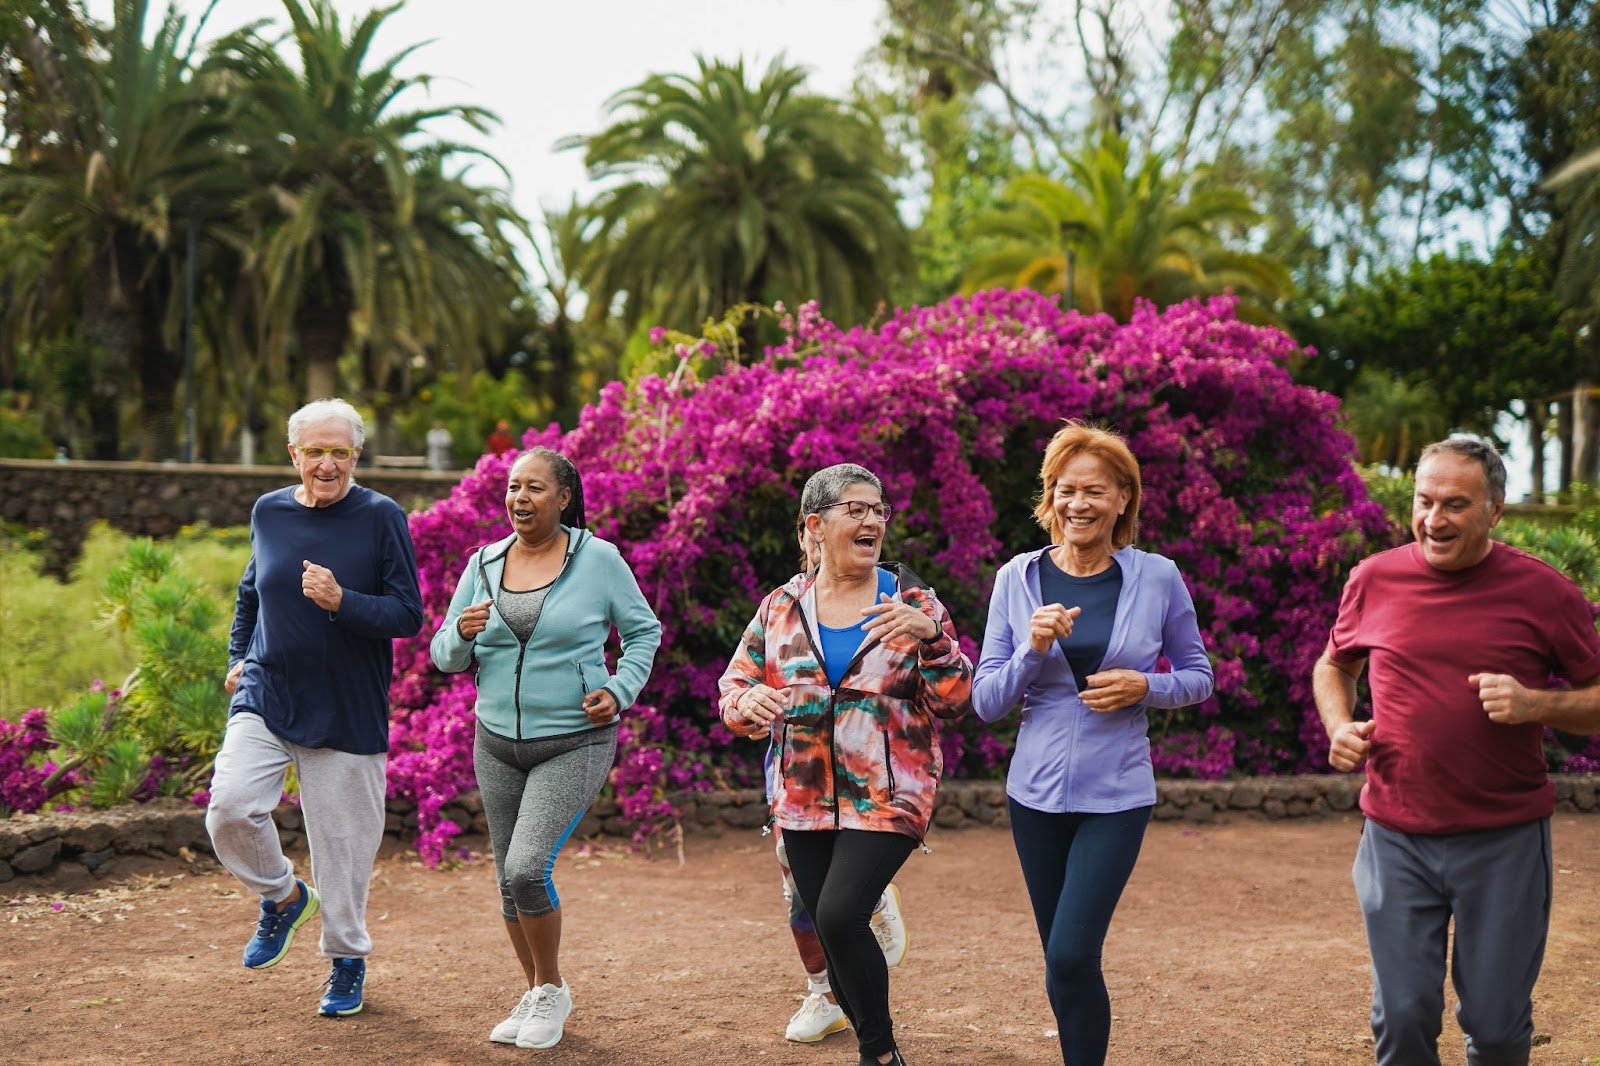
1069,758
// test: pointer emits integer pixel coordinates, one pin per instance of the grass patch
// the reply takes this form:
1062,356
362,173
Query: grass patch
54,644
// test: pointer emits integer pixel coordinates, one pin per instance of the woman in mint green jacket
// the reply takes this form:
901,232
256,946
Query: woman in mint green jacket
533,613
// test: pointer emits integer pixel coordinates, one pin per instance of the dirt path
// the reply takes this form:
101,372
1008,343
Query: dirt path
1236,945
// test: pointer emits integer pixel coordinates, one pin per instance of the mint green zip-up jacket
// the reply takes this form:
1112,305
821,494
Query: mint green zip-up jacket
532,690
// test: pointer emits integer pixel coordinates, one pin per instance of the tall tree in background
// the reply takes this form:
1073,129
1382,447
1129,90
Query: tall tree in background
578,348
1473,335
722,191
1550,89
112,135
1133,232
922,82
463,255
341,255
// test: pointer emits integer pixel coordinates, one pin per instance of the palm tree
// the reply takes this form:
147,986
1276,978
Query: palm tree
459,249
1130,234
113,135
342,253
721,193
1392,418
579,338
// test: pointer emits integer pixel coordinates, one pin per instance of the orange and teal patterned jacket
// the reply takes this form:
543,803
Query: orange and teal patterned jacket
865,755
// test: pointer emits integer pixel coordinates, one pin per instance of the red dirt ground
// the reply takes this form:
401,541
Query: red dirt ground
1236,945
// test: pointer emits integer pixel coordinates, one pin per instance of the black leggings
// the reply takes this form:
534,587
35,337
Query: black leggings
840,873
1075,866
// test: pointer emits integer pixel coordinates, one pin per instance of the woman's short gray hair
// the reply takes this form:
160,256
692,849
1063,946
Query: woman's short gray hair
321,411
828,484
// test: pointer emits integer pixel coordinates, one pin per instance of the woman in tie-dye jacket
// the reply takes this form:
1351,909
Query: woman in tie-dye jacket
846,669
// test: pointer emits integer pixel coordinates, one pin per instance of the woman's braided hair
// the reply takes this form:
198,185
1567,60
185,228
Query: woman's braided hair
572,515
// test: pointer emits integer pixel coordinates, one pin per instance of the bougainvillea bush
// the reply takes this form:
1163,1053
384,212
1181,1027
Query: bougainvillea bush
1248,485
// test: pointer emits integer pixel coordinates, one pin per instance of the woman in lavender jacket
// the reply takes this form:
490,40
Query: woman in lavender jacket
1075,635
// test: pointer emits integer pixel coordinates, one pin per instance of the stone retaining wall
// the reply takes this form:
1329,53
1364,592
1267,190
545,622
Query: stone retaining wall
73,850
158,499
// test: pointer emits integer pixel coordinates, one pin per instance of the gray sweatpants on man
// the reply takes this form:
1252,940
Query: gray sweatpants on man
534,793
341,799
1497,885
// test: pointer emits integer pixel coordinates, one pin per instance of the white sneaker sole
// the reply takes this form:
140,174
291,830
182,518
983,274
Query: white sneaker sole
838,1026
552,1042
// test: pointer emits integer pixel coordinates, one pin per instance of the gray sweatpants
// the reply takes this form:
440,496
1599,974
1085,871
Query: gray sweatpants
341,798
534,792
1497,885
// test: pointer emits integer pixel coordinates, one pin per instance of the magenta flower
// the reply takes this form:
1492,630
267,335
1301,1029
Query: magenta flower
1249,485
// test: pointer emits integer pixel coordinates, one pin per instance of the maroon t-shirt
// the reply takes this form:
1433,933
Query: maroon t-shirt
1438,764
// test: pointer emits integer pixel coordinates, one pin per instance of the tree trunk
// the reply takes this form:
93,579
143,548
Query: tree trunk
1564,433
1538,413
1586,443
159,369
158,420
324,332
109,325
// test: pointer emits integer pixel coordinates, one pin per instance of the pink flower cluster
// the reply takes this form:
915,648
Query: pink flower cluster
22,776
1248,485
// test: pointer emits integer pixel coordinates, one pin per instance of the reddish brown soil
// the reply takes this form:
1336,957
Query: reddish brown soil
1235,944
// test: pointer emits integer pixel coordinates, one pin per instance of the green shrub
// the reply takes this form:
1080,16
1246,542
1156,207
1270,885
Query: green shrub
21,430
53,648
160,731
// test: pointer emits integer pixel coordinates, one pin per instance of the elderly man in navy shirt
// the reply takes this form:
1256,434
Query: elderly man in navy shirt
332,580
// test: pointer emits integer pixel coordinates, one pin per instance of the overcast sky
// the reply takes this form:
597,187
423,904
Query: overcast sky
547,66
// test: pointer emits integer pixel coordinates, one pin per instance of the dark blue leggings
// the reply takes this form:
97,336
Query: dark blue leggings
1075,866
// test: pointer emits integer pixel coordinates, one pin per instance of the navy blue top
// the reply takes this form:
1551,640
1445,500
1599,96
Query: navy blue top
1085,646
318,679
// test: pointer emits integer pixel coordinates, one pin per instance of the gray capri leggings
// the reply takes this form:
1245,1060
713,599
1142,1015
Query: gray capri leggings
534,792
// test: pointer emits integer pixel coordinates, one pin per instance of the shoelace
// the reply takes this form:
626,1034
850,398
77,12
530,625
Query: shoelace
267,925
524,1006
342,981
543,1005
813,1006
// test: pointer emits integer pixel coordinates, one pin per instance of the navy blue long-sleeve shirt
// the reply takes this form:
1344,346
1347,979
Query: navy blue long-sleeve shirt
320,679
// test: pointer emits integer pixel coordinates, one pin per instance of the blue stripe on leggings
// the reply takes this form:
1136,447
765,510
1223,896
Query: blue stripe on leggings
550,864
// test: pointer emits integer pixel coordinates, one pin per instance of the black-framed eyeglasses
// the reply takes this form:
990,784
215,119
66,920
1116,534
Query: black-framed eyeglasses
857,510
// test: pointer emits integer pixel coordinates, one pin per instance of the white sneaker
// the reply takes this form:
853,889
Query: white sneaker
815,1019
506,1032
546,1017
889,928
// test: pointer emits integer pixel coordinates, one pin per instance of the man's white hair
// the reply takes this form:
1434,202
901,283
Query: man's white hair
321,411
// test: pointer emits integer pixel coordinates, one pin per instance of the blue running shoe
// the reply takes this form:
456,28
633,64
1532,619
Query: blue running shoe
277,926
343,995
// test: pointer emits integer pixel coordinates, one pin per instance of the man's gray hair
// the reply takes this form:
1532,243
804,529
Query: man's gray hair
321,411
1479,450
828,484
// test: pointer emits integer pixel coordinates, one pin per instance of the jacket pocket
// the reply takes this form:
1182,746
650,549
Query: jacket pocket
590,677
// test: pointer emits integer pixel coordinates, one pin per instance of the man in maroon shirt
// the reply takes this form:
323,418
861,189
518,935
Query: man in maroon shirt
1462,635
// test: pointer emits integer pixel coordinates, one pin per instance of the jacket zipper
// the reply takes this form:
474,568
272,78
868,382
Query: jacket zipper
522,649
833,703
888,763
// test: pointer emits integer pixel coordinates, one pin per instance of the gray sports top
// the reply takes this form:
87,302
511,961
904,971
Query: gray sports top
521,608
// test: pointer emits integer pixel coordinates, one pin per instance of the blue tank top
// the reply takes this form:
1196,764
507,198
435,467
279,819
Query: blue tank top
839,645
